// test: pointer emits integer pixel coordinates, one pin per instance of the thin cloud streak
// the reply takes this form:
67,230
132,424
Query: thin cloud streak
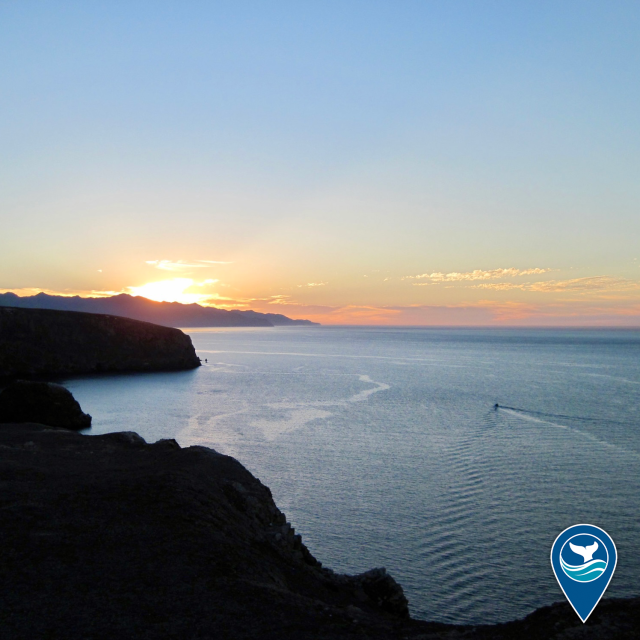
181,265
476,274
588,284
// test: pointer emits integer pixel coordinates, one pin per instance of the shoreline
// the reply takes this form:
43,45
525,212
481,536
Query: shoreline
121,530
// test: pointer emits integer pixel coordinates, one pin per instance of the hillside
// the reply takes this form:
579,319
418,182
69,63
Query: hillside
168,314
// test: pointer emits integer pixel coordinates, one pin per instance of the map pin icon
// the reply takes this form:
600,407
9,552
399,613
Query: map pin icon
583,558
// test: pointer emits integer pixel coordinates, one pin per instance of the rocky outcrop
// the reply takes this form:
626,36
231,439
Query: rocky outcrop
46,342
109,537
113,537
42,402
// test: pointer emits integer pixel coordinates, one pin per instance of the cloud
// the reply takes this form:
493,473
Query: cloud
313,284
223,302
595,283
181,265
588,284
476,274
501,286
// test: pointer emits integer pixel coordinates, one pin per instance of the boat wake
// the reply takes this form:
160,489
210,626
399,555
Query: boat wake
533,417
561,416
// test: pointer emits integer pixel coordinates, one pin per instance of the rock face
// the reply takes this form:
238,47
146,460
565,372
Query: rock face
109,537
42,402
44,342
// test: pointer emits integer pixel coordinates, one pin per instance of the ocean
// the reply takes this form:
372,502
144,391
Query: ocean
384,447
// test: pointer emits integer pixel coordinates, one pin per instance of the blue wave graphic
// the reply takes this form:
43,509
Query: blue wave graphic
584,572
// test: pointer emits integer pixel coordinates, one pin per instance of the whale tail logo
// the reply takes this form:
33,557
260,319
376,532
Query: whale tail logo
590,568
585,552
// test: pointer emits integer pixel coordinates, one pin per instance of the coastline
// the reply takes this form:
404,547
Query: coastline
124,537
110,536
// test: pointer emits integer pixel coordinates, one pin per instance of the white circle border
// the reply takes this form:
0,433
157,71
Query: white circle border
565,544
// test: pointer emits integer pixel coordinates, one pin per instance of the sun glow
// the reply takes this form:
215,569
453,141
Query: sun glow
174,290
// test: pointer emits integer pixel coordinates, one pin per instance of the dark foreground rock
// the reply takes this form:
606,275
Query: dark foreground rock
110,537
44,342
43,402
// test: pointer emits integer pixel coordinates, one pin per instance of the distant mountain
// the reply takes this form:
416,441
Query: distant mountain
276,319
168,314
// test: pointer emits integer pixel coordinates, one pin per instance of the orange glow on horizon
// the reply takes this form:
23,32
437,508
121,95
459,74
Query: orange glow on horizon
174,290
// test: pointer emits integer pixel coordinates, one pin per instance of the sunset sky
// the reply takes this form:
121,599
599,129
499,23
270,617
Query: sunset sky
398,162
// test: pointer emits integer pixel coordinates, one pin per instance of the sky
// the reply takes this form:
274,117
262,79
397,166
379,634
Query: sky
401,162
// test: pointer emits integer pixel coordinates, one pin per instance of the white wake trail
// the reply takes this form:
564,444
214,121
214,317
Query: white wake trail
583,434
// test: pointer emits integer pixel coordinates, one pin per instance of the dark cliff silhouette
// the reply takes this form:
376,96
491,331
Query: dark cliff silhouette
42,402
168,314
110,537
35,342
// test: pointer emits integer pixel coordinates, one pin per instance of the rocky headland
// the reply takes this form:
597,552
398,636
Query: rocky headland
36,342
110,537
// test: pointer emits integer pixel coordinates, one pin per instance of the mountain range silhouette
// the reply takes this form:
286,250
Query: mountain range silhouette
168,314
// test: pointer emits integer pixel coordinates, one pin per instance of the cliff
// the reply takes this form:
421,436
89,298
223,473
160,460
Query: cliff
45,342
110,537
168,314
42,402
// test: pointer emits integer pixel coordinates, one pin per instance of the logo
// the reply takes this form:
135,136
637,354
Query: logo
583,558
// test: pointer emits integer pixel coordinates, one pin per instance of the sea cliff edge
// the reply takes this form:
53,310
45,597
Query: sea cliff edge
110,537
37,342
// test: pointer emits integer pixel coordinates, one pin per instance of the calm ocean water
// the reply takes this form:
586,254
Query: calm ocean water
383,447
